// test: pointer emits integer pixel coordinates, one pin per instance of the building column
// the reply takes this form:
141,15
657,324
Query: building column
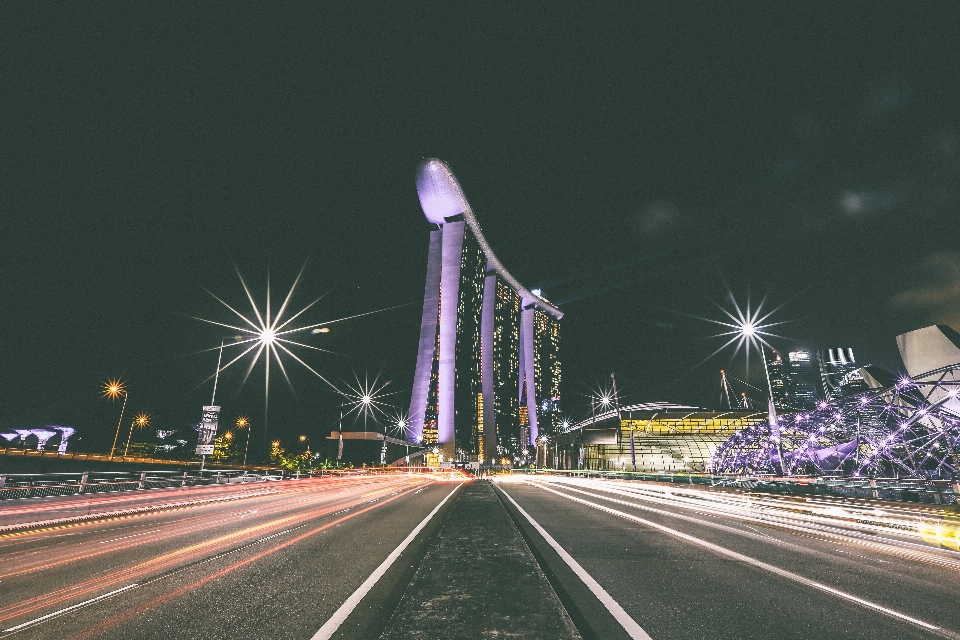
487,325
527,356
451,256
428,338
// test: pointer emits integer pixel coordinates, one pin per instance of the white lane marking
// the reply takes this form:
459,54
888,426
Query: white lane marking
340,615
757,563
70,608
629,624
130,536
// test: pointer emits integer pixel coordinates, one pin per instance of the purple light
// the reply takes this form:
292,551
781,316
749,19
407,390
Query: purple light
440,194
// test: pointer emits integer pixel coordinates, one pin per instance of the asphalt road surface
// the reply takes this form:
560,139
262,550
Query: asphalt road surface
413,556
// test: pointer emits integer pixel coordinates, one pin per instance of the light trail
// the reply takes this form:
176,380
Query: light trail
73,553
757,563
99,629
875,542
904,532
338,500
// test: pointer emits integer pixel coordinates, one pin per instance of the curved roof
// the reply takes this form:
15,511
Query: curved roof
644,406
441,197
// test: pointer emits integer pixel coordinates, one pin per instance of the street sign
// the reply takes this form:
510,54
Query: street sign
208,431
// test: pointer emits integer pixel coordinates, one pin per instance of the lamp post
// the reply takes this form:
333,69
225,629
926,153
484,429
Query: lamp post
244,423
142,420
112,389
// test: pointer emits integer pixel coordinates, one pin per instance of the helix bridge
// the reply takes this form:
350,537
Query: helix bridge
907,427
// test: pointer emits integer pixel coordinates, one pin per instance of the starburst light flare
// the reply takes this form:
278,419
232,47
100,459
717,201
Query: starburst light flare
748,328
400,425
113,389
366,399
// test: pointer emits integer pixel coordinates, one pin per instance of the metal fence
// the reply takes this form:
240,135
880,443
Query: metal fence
40,485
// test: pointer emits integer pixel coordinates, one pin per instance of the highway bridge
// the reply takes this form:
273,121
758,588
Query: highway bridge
421,555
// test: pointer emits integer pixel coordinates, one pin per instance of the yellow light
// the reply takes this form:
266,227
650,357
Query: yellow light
228,435
303,438
141,420
114,388
242,422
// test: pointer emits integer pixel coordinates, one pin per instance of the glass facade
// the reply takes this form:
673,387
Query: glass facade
839,373
803,382
779,385
506,364
546,364
468,381
662,441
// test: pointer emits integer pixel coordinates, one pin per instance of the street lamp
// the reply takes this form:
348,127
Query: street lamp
244,423
112,389
140,421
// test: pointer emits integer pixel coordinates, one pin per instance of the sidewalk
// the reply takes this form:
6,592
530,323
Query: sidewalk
479,580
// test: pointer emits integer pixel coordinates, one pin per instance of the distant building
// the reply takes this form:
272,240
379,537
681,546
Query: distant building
488,366
802,385
652,438
779,381
793,381
839,373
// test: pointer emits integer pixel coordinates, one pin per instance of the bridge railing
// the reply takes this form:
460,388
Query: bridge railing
40,485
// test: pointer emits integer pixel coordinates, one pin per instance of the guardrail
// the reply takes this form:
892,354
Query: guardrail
939,492
97,457
41,485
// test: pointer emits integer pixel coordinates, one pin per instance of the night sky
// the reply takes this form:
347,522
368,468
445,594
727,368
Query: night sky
631,162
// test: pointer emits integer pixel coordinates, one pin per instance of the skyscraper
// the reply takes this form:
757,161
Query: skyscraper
839,373
792,381
779,385
802,381
488,363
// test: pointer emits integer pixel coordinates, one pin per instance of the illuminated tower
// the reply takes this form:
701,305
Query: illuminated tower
488,356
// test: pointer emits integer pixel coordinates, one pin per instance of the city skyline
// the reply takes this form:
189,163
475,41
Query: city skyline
822,172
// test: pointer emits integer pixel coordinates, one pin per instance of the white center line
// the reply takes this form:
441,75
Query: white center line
757,563
629,624
340,615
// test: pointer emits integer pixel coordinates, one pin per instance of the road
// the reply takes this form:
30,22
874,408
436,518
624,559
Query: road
275,565
412,556
684,563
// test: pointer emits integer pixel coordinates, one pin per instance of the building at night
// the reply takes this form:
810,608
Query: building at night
792,381
487,378
656,437
839,373
779,382
802,382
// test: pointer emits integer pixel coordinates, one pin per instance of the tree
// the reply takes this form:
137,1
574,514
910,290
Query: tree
223,449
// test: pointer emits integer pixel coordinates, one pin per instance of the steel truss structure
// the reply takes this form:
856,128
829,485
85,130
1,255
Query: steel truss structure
910,428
